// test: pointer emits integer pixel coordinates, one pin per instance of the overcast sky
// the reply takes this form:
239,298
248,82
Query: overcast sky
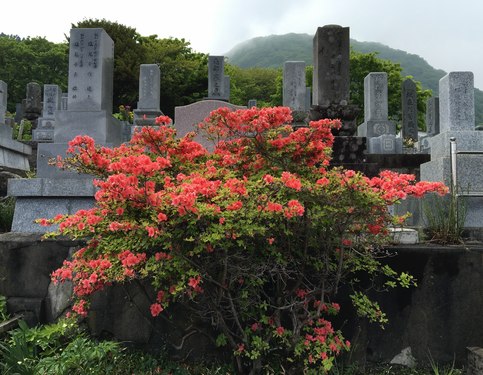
448,34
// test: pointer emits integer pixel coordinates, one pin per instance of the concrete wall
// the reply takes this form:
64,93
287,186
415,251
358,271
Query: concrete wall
442,316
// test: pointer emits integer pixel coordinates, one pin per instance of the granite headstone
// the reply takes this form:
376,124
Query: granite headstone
216,78
149,95
294,87
91,58
409,129
46,123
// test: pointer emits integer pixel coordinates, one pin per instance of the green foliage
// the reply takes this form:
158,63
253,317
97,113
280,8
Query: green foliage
272,51
7,207
363,64
253,83
246,237
445,218
3,308
81,356
125,114
184,72
442,369
26,131
25,60
412,65
64,349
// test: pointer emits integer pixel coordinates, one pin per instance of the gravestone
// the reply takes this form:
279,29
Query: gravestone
331,66
217,82
252,103
149,95
187,117
3,101
295,91
457,120
432,116
91,58
89,100
33,102
432,123
330,88
19,112
409,100
294,88
379,131
46,123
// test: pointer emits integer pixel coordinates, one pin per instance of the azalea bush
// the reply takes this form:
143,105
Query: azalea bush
256,236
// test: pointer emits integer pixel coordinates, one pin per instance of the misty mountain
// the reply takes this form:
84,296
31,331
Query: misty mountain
272,51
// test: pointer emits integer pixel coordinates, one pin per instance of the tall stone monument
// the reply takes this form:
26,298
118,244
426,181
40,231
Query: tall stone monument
379,131
294,88
3,101
409,100
89,112
149,95
46,123
33,102
457,120
217,81
330,90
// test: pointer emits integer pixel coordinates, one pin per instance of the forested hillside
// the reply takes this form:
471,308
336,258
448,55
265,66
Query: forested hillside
272,51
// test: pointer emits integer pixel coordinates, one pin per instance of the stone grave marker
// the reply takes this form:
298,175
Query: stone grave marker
252,103
331,65
19,112
457,120
432,116
3,101
456,102
89,112
216,78
376,126
149,95
33,102
187,117
330,87
294,87
89,101
46,123
409,101
432,123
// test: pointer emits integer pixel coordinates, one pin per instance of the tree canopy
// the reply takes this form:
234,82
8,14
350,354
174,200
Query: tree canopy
31,60
184,72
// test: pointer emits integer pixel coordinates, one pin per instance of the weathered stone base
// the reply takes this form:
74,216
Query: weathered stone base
27,262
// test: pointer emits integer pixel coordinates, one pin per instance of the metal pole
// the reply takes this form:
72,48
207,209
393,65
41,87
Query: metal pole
452,147
454,191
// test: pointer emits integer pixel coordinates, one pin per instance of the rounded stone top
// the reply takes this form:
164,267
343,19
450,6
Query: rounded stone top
331,26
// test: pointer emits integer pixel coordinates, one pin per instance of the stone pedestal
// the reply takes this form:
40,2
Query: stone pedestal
347,113
457,120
